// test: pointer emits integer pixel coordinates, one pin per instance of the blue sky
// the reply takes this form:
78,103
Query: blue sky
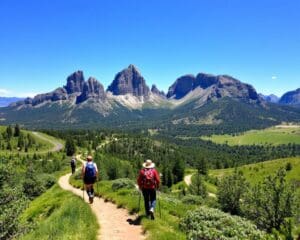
42,42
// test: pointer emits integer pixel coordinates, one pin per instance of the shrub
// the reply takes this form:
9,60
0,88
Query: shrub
192,200
230,190
207,223
47,180
122,183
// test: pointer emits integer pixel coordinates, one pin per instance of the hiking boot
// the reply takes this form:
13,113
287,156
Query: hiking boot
151,213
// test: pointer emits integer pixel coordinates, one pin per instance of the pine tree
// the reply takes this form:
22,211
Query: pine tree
9,132
70,147
17,131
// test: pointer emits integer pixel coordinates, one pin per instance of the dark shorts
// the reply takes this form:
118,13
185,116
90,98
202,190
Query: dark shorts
89,180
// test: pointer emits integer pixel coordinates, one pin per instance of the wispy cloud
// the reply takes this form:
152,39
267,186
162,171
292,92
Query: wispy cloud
4,92
9,93
274,77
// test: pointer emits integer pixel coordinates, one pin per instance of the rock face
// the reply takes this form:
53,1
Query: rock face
182,86
270,98
129,81
91,89
291,98
75,83
76,88
156,91
214,86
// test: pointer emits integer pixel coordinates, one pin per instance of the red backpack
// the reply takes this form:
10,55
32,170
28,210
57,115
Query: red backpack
149,178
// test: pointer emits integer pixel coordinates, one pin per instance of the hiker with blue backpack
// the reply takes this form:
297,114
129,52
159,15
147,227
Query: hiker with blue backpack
148,182
89,175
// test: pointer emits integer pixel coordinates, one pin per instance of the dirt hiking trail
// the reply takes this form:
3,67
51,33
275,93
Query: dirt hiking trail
114,222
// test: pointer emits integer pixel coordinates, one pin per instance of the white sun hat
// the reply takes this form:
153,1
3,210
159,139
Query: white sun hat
148,164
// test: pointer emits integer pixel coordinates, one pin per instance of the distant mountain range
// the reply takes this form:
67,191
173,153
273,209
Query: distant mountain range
5,101
201,101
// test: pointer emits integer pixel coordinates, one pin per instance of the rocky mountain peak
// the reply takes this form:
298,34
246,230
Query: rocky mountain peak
291,98
182,86
92,88
156,91
129,81
75,82
213,87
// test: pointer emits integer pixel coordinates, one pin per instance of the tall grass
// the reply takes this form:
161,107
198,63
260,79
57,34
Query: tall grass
58,214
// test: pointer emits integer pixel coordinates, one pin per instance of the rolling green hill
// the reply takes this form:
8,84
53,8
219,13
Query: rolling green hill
275,135
256,172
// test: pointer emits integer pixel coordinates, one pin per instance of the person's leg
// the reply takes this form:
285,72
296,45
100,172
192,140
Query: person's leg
88,189
146,200
152,199
152,195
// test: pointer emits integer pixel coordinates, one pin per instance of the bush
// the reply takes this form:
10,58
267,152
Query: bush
47,180
192,200
122,183
207,223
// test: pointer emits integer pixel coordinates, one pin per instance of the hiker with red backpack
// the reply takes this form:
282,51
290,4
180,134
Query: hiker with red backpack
89,174
148,182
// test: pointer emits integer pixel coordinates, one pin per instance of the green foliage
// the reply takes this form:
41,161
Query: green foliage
32,185
17,131
210,224
70,147
124,183
12,204
288,166
197,186
192,200
269,203
270,136
58,214
231,190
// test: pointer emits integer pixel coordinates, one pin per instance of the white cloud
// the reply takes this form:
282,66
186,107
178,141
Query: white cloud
4,92
8,93
274,77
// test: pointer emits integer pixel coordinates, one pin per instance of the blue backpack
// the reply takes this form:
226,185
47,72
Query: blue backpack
90,170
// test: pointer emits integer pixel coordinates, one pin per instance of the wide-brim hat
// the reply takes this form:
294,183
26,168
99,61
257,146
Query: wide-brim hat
148,164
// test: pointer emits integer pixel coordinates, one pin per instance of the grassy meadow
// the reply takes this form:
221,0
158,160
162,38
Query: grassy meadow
256,172
275,136
58,214
38,145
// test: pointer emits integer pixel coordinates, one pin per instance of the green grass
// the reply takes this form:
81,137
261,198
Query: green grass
40,146
164,228
274,136
256,172
58,214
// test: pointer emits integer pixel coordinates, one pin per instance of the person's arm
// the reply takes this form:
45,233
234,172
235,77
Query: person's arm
157,179
96,170
139,179
82,170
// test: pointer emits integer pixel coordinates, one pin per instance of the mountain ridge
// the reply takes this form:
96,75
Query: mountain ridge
193,102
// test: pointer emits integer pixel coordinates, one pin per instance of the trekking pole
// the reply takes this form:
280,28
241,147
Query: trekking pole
83,190
159,204
97,186
140,196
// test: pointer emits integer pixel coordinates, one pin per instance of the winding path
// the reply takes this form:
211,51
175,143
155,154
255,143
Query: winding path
115,223
188,181
57,146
